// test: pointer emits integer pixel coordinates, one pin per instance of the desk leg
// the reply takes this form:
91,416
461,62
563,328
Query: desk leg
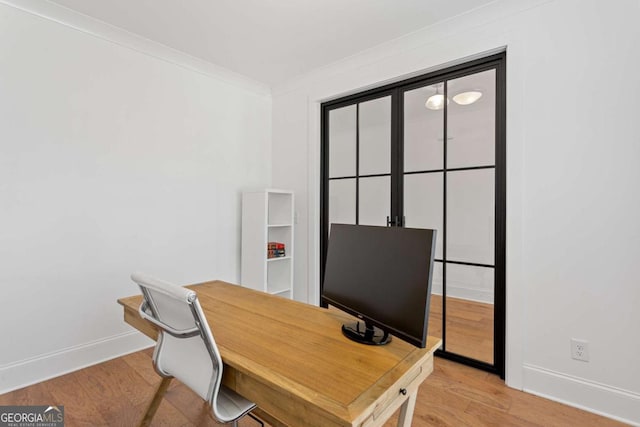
155,402
406,410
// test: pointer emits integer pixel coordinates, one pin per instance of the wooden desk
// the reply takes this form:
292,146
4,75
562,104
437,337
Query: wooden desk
292,360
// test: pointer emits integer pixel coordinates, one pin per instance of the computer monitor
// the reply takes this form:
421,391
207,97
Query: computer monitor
381,275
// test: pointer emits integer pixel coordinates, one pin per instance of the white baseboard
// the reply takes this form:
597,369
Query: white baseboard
40,368
478,295
601,399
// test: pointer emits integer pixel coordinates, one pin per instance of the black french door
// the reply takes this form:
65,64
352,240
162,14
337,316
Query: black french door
429,152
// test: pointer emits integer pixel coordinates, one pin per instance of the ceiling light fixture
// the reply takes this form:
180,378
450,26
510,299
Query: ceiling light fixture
436,102
466,98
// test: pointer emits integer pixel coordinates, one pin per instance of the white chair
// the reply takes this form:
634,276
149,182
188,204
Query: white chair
186,349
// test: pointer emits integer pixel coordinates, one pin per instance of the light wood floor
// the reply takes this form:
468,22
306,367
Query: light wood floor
469,327
114,393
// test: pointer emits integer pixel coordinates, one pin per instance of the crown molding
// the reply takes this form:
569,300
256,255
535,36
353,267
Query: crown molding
96,28
414,43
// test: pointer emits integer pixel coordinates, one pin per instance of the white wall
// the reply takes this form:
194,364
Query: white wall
573,236
111,160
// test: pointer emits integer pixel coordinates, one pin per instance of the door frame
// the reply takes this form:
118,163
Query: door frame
495,61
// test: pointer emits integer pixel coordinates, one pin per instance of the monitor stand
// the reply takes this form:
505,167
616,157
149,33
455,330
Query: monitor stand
365,333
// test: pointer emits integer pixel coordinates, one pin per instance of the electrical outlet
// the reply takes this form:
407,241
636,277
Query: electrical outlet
580,349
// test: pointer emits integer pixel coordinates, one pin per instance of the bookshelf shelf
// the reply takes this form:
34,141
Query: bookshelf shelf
267,217
286,293
280,258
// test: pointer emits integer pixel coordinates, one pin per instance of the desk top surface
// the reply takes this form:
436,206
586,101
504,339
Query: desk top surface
297,346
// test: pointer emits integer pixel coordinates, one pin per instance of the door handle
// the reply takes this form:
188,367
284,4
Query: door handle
396,222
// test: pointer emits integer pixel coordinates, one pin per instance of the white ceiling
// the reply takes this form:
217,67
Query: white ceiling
271,41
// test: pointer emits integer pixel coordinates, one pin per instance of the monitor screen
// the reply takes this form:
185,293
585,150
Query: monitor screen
382,275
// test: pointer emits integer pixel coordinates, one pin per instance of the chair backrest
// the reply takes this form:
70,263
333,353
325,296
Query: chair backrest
185,348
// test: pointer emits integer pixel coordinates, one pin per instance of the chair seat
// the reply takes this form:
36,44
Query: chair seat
231,405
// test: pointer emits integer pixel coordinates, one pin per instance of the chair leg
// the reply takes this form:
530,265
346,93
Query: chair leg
256,419
155,402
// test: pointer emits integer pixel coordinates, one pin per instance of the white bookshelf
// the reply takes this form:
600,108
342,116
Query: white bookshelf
267,216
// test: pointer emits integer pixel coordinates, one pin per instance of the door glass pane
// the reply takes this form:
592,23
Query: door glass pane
423,204
375,200
342,201
342,142
470,216
470,121
375,136
470,311
423,129
434,327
